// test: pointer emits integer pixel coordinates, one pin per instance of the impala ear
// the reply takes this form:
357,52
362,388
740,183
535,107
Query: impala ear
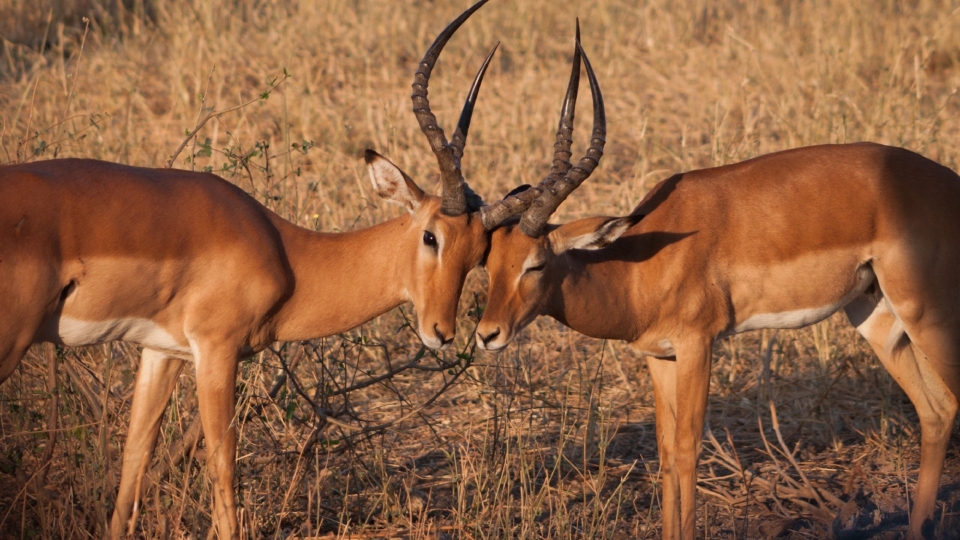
517,190
591,233
391,183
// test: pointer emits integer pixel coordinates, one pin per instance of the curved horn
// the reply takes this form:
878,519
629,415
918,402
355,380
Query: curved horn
459,140
534,218
511,205
521,202
463,125
561,149
454,195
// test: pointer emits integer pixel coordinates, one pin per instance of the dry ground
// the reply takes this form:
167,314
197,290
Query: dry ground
554,437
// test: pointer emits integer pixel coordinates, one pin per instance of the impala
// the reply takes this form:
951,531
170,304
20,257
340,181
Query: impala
193,269
780,241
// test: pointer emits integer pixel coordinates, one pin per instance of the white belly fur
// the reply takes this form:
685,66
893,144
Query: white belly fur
804,317
76,332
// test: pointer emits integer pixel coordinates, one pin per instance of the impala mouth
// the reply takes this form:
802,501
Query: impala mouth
435,339
492,347
493,341
435,344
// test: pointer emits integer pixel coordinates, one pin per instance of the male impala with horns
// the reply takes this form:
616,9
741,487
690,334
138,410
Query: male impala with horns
193,269
780,241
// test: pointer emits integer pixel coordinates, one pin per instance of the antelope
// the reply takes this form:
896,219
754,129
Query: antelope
779,241
193,269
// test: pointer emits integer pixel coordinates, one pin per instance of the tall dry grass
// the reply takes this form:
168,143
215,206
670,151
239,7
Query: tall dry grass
554,437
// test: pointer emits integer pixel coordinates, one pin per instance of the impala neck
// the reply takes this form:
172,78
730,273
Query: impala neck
341,280
588,295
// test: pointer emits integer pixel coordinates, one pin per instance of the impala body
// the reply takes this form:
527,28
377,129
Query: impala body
161,258
780,241
193,269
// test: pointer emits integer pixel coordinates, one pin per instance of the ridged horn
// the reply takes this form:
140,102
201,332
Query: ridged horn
558,188
455,191
561,148
537,203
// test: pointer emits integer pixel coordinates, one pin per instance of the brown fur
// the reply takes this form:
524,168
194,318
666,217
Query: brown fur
214,269
869,228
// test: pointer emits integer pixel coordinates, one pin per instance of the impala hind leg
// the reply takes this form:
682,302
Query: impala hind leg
664,375
156,379
910,364
216,382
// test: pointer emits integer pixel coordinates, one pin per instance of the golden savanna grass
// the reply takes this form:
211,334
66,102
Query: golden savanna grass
555,437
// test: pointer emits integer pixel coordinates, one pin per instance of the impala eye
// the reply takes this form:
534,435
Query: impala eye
429,239
537,268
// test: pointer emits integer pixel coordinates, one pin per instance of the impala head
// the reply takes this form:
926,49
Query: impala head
526,272
436,250
525,259
446,236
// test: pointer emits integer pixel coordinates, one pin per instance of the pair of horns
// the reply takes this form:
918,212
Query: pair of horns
534,205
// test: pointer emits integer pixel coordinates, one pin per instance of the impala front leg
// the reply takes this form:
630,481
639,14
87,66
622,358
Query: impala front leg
216,383
664,375
692,385
156,379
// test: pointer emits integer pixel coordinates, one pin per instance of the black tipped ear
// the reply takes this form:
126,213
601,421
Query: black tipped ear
518,189
600,237
369,155
633,219
611,230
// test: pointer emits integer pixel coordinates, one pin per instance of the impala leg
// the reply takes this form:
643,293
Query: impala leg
17,332
692,385
216,383
924,384
30,294
11,352
664,375
156,379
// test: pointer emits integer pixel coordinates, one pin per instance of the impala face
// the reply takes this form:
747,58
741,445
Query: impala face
445,249
519,268
526,261
526,272
439,250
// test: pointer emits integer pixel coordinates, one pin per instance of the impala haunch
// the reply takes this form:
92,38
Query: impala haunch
192,268
780,241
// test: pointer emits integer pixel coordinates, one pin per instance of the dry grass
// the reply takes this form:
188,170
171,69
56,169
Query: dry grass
554,437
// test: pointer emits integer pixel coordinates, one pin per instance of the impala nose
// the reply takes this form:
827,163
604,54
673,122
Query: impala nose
444,341
486,339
